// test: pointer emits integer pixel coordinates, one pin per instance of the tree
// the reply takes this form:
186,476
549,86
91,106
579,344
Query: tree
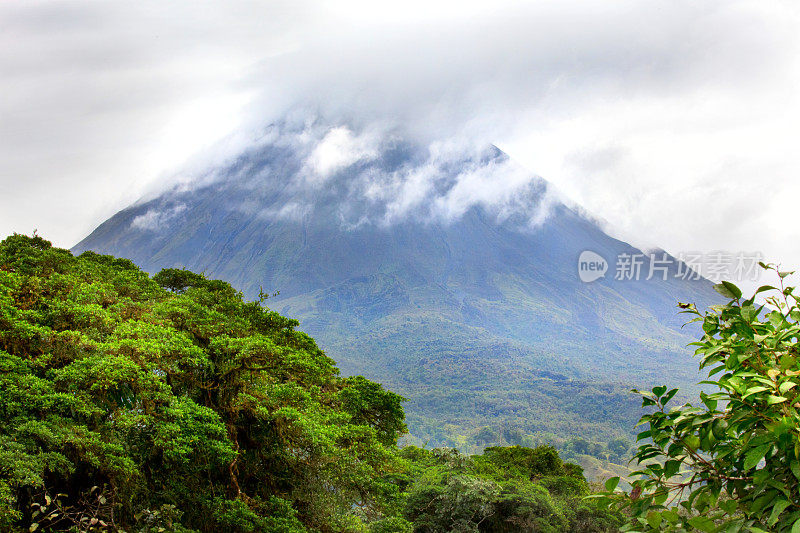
731,463
170,402
503,490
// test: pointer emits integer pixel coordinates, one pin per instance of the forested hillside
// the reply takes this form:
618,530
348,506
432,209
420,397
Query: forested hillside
169,403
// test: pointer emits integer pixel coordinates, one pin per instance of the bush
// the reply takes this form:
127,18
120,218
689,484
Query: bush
733,461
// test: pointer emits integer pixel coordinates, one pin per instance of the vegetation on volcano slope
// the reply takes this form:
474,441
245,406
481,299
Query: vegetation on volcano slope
171,404
461,378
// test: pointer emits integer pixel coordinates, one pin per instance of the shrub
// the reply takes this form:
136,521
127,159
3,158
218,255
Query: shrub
732,462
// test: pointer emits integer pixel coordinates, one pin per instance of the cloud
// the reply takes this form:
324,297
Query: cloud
450,182
488,73
293,211
156,219
671,120
338,150
493,184
371,176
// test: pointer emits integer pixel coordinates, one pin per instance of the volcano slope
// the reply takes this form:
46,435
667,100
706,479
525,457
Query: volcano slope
445,271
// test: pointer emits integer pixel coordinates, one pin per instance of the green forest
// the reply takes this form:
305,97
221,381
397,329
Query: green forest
168,403
142,403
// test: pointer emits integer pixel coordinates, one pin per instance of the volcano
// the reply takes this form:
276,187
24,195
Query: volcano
444,270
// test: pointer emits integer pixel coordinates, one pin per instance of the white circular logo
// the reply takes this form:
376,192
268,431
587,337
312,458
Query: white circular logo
591,266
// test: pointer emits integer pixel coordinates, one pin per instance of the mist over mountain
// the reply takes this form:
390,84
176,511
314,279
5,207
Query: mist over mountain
443,269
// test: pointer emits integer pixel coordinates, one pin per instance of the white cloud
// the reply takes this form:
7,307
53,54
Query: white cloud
294,211
438,181
156,219
496,185
405,191
338,150
672,120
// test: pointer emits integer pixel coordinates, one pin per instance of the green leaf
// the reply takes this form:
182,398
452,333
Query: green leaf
703,524
709,401
654,519
693,441
728,290
772,400
796,526
668,396
754,456
729,506
671,468
611,483
795,466
754,390
765,288
775,318
719,428
777,509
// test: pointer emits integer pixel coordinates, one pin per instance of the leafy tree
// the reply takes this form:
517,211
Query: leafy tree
369,404
506,489
179,280
189,407
731,463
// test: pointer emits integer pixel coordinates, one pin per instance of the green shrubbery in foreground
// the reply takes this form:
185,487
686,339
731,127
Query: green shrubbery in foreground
732,463
170,404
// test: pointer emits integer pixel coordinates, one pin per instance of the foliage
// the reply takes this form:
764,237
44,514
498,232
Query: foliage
369,404
733,462
541,410
509,489
192,407
131,403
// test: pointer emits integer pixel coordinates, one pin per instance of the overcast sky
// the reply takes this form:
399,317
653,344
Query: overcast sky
674,121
